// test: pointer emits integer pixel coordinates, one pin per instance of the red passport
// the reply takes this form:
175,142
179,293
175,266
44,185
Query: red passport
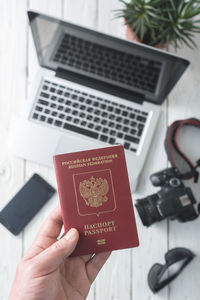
95,198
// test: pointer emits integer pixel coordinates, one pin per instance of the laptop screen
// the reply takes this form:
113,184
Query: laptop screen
143,71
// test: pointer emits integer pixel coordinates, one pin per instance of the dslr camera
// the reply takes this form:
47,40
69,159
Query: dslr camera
173,200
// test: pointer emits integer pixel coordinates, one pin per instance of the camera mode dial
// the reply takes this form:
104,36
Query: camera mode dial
174,182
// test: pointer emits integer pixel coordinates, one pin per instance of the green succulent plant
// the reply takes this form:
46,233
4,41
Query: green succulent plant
163,21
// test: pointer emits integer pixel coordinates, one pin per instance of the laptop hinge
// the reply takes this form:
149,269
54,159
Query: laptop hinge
100,85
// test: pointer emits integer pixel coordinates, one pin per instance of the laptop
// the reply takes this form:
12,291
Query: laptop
93,90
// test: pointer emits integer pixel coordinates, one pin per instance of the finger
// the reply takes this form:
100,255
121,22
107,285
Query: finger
51,258
47,234
86,258
95,264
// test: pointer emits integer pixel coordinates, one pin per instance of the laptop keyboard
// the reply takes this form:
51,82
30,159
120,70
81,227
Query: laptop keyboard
129,69
69,109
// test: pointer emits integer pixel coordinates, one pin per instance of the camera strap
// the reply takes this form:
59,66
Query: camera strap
176,156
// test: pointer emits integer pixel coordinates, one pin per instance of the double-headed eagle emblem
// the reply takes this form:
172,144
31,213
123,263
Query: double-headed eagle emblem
94,191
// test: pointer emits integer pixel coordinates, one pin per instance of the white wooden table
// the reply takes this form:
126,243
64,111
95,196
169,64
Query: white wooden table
124,275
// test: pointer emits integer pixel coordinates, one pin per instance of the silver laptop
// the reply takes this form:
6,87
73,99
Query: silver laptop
93,90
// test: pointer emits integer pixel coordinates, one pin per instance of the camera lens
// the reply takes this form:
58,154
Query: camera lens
147,209
174,182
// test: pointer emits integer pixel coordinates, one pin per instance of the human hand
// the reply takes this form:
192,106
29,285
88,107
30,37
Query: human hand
48,273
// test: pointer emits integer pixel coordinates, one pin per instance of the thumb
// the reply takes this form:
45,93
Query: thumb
51,258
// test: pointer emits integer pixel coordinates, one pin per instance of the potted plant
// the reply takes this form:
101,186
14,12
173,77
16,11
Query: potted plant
161,22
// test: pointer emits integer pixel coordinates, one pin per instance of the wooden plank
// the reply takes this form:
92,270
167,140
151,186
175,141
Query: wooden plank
83,12
12,97
153,240
107,20
184,103
114,282
53,8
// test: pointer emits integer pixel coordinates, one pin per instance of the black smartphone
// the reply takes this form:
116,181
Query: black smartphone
26,203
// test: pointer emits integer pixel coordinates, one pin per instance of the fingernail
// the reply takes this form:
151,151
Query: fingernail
70,234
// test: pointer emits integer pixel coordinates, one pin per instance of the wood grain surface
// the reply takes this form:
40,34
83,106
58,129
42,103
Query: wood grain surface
124,276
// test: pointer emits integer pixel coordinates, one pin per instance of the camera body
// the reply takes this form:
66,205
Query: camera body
173,200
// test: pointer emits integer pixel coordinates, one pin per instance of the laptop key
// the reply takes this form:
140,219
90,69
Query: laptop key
44,95
126,145
117,110
68,102
112,132
132,116
141,119
103,138
124,113
105,130
67,110
118,126
82,115
90,109
131,139
61,116
90,125
89,117
61,100
83,123
126,121
54,113
88,101
104,114
97,120
111,140
35,116
74,96
82,107
104,121
53,98
43,102
81,99
103,106
76,121
75,112
97,112
45,87
68,118
133,124
133,131
81,130
111,124
144,113
120,135
58,123
50,120
38,108
46,111
125,129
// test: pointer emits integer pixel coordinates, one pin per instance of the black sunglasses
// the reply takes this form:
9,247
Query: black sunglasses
176,260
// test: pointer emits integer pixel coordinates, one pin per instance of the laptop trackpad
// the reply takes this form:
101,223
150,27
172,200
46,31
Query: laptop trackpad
67,144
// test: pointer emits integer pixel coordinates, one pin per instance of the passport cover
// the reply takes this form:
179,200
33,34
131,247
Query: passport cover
95,198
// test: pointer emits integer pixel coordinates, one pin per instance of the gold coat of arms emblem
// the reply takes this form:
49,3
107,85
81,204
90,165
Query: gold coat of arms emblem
94,191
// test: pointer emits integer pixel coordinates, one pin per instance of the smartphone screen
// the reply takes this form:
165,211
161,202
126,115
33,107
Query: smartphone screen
26,203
